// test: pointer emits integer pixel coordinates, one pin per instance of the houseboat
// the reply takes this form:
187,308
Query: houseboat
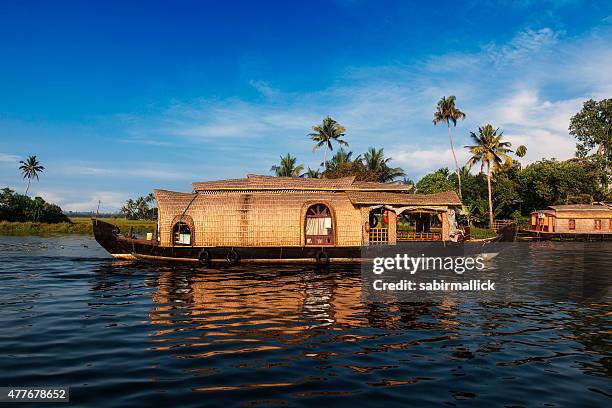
575,221
286,219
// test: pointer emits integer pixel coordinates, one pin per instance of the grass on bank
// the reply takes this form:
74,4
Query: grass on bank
78,225
82,225
481,233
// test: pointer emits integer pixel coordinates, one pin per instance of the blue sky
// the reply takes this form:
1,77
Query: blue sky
118,98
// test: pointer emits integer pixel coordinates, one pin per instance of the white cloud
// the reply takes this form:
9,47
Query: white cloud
9,158
109,201
265,89
523,46
148,173
543,144
418,160
80,200
47,195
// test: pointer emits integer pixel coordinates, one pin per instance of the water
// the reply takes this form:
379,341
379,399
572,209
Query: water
121,334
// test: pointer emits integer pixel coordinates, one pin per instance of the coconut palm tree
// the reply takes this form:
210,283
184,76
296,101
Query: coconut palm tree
325,134
521,151
313,173
142,208
376,162
30,169
491,152
129,209
151,206
340,158
287,167
447,112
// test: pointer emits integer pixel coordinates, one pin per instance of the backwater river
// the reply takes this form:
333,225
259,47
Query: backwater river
126,334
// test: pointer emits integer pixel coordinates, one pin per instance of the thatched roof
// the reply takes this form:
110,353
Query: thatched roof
548,211
579,211
398,198
581,207
266,183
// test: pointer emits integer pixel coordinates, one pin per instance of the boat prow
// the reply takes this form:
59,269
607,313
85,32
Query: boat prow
110,238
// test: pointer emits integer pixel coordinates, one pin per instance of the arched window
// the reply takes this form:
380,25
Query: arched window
181,233
319,226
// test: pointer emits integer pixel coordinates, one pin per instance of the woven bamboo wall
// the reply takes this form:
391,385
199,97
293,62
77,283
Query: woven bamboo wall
256,218
583,225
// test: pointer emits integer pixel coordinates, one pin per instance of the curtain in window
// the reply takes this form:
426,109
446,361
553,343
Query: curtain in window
317,226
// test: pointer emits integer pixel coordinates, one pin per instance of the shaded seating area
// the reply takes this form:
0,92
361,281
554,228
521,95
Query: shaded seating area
419,225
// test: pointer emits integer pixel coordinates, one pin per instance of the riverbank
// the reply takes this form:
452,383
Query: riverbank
78,225
481,233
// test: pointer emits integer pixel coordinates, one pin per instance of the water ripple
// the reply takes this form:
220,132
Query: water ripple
123,334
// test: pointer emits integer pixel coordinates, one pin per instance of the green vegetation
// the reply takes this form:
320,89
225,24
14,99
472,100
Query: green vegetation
491,152
139,226
325,134
521,151
481,233
376,163
72,226
372,166
517,190
447,112
592,127
436,182
30,169
140,209
16,207
287,167
310,173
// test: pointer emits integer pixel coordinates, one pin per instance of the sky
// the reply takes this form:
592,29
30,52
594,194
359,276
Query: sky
119,98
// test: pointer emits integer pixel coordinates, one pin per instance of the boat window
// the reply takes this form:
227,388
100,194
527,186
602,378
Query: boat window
598,224
572,224
319,227
181,234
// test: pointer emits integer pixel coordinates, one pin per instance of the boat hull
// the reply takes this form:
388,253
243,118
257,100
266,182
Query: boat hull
120,246
566,236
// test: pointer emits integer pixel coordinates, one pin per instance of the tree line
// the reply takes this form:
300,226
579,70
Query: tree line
15,207
142,208
502,187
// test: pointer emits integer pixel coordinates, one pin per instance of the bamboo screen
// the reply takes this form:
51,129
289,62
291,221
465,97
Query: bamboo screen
255,218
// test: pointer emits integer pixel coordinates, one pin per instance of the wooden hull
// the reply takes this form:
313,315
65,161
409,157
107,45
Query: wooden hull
573,236
119,246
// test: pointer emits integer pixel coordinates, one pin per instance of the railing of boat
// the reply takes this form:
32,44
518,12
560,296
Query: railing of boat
379,235
418,236
497,224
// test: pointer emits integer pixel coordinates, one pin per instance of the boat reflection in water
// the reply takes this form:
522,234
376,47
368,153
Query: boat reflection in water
250,311
307,333
254,306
